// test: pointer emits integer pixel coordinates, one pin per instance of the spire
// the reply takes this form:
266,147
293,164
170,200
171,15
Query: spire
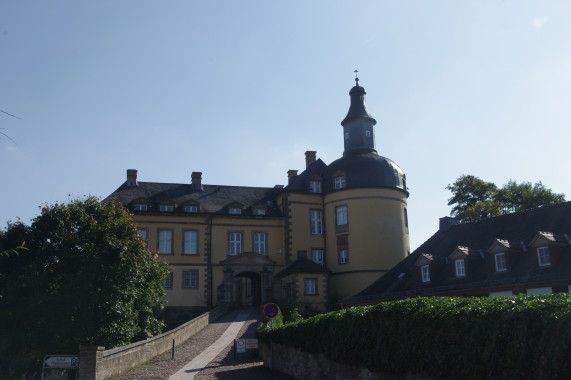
358,125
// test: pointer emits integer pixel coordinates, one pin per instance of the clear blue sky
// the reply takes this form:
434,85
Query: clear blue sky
241,89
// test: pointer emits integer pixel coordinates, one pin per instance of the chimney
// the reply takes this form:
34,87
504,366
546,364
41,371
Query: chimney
291,174
447,222
131,177
196,181
309,157
302,254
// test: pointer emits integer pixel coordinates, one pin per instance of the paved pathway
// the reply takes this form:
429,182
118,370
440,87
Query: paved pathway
218,363
201,361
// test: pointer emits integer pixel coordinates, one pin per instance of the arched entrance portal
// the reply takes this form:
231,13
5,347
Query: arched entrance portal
248,289
247,279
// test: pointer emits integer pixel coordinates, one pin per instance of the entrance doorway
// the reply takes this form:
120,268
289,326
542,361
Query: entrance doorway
248,288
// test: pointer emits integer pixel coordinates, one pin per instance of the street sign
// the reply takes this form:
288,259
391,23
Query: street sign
251,343
240,345
271,310
61,362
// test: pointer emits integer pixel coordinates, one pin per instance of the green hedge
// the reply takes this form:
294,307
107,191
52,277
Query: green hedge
520,337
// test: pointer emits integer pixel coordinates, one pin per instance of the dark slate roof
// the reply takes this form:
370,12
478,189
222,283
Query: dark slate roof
365,170
212,198
358,108
301,265
300,183
513,229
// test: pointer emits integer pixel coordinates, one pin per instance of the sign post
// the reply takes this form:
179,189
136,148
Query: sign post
271,310
60,362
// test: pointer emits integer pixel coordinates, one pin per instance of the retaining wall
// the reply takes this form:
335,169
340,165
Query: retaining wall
307,366
96,363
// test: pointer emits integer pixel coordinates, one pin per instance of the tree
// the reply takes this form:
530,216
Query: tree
474,199
82,280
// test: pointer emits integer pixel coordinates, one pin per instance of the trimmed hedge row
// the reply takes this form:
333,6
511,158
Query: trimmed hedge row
519,337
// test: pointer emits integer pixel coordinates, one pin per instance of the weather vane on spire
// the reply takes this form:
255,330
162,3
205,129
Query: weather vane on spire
356,77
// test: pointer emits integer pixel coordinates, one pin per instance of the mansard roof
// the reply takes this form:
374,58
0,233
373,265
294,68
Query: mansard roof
513,231
300,183
211,198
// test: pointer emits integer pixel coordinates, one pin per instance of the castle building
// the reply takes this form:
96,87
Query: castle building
329,233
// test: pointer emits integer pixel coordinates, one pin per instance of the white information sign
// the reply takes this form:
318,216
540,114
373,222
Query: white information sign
61,362
240,345
251,343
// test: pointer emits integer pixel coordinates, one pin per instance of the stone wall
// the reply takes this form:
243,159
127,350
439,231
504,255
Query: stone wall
307,366
96,363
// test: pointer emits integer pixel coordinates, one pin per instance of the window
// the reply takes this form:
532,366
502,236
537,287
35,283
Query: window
260,243
143,233
425,272
168,281
190,279
140,207
500,259
167,208
235,243
343,257
368,133
341,215
340,182
543,257
460,268
190,243
343,248
310,286
317,256
314,187
165,242
259,211
235,211
190,208
316,217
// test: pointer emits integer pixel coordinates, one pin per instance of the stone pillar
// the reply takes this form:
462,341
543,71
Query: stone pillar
267,286
228,285
89,358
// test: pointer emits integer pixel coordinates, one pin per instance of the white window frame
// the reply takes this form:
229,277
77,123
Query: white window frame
543,258
190,279
340,182
190,208
460,265
234,243
190,242
140,207
501,263
316,221
315,186
168,281
341,215
260,243
425,273
259,211
165,242
343,256
143,233
166,208
317,256
310,286
235,211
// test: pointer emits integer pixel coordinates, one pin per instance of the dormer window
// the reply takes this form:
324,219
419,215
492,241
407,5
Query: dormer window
190,208
140,207
425,273
314,186
460,268
166,208
500,259
340,182
543,257
259,211
234,211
